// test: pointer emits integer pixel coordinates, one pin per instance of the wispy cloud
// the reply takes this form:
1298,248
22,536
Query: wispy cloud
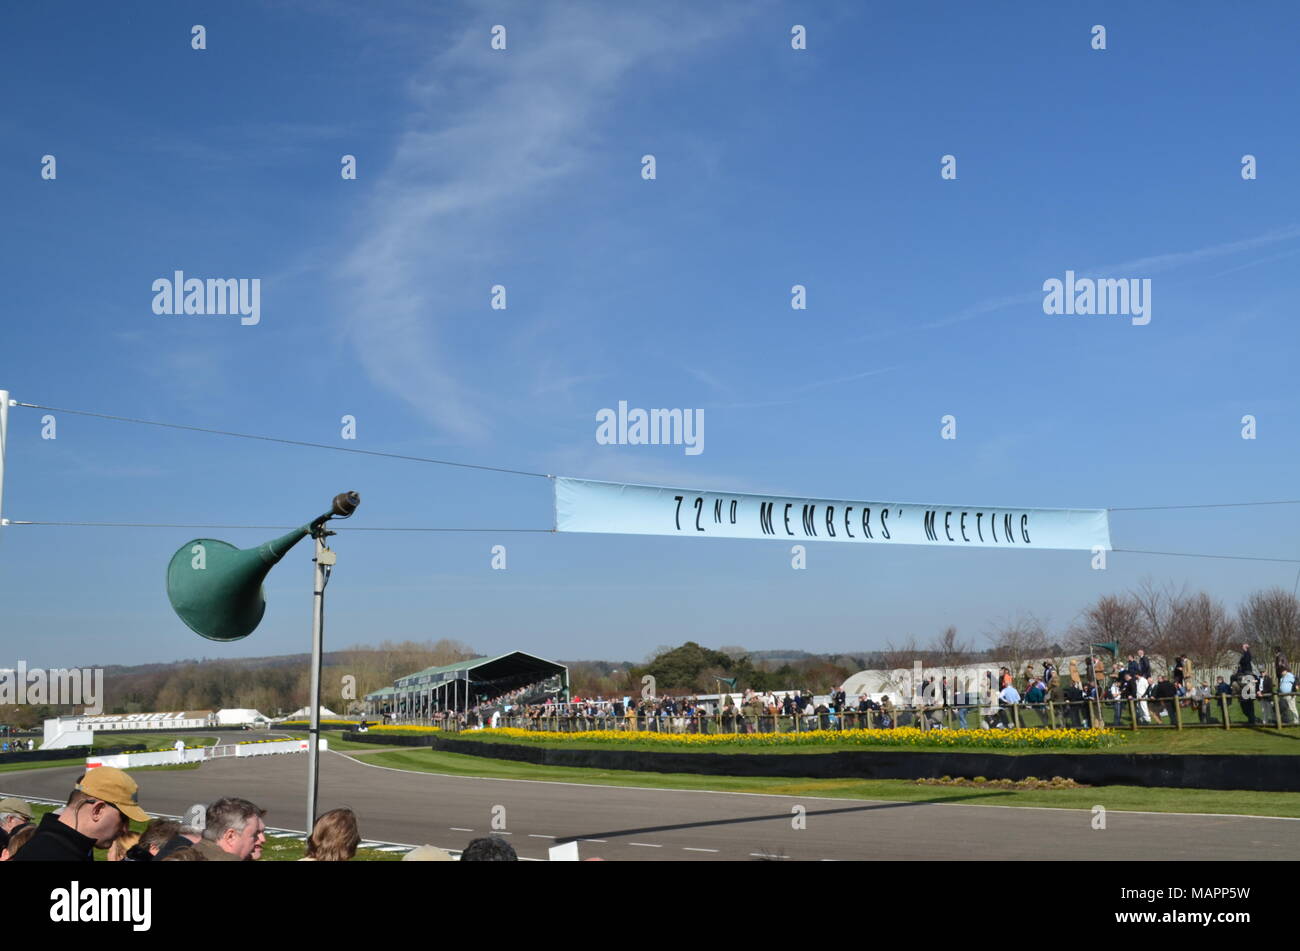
1140,267
460,174
793,392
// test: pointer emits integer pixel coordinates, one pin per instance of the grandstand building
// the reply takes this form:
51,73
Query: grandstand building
458,687
62,732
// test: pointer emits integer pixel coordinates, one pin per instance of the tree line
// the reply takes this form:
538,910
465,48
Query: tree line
1165,621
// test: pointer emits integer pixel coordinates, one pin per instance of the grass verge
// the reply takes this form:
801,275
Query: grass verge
1244,740
1133,798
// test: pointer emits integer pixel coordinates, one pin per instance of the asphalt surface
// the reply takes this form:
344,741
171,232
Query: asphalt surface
624,823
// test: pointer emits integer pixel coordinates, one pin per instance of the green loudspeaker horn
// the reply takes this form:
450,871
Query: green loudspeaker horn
216,588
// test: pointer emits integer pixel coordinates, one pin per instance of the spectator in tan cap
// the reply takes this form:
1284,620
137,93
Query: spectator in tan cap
14,813
99,810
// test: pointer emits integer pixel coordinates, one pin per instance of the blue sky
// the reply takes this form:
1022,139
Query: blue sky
522,167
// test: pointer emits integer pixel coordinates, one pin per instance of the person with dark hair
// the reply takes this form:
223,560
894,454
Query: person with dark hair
154,837
1074,712
20,837
1165,693
334,838
1247,693
1246,663
489,849
234,831
189,832
1180,669
99,810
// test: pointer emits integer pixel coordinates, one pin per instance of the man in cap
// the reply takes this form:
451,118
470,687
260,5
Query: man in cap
99,810
14,813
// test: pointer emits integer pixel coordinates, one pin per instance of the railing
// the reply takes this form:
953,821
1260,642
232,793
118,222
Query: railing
1177,713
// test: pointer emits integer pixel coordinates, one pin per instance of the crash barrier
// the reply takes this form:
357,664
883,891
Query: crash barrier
198,754
390,739
1262,773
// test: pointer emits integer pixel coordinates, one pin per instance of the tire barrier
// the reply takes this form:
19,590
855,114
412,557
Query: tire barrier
388,739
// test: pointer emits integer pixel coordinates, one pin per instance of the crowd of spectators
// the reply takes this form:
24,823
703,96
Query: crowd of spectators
1131,691
1134,691
105,800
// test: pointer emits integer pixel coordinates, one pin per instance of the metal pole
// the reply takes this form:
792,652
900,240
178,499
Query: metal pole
324,557
4,430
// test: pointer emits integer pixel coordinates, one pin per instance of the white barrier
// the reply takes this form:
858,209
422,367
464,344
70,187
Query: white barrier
198,754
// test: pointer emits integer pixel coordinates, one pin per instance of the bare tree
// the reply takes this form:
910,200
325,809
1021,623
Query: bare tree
900,656
1019,641
1270,621
1111,618
948,650
1157,607
1200,628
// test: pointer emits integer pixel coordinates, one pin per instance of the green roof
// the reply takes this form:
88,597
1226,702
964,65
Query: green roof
443,673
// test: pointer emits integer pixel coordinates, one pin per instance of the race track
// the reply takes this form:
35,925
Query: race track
622,823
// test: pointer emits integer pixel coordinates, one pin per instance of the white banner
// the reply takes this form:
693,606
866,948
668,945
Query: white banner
613,507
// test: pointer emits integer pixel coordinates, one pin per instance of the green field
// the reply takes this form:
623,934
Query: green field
41,764
1142,799
1254,740
148,741
152,741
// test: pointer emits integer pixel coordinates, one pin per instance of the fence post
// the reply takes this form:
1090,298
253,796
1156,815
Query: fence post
1133,712
1015,715
1178,712
1051,714
1223,702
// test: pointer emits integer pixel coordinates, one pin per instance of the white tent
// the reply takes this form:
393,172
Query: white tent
305,712
240,717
